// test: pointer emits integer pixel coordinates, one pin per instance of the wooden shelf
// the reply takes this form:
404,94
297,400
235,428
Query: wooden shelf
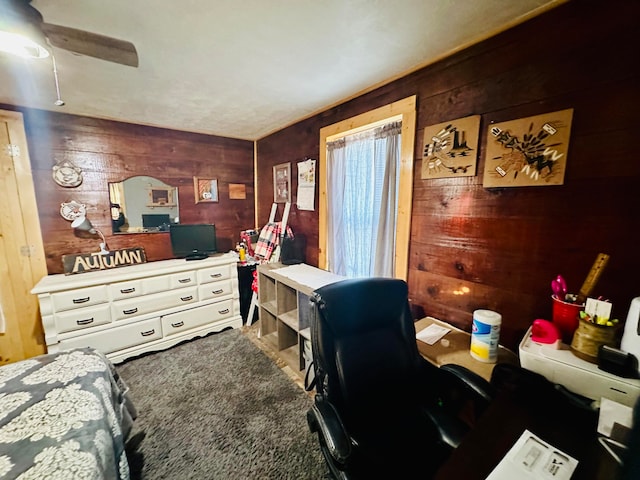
291,357
306,333
270,307
290,318
285,311
270,339
268,322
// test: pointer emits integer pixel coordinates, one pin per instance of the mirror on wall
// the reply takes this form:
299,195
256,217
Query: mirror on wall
143,204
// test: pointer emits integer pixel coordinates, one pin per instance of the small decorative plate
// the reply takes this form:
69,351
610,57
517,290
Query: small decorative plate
66,174
72,210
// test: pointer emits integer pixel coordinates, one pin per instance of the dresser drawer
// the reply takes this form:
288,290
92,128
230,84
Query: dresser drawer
195,317
80,298
83,318
156,284
214,290
117,338
183,279
213,274
127,289
132,307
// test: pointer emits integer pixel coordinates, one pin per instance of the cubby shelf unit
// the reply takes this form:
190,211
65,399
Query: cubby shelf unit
283,294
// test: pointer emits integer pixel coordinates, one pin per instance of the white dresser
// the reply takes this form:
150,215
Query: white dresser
131,310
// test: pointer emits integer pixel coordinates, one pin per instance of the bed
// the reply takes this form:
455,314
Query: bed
64,416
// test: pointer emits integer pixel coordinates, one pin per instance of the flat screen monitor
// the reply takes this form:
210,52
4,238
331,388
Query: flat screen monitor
193,242
152,220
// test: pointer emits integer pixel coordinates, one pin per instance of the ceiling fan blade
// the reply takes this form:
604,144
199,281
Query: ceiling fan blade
91,44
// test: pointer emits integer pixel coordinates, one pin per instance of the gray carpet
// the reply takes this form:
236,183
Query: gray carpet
218,408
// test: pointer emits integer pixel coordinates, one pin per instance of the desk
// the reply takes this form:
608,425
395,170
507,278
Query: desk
555,421
545,414
458,350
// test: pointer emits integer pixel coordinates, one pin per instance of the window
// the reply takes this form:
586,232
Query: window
401,111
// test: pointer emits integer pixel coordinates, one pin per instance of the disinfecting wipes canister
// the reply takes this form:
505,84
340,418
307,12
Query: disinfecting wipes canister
485,335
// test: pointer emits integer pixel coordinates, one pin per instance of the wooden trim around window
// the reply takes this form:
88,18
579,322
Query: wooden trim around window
404,110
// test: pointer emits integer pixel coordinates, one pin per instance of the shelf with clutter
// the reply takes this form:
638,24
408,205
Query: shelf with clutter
582,348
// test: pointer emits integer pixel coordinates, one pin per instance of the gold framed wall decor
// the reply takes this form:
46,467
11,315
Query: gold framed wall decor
529,151
282,183
205,189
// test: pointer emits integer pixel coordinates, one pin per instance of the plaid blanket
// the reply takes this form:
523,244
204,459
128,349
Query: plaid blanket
269,239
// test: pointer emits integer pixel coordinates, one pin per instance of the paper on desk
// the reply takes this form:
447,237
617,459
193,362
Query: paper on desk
614,414
531,458
432,333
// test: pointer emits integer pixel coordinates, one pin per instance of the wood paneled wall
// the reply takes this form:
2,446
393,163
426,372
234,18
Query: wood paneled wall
506,244
108,151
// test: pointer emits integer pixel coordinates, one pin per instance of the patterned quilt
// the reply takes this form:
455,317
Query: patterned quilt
64,416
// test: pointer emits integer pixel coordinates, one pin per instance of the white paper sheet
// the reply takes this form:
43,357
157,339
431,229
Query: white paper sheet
611,413
432,333
531,458
306,185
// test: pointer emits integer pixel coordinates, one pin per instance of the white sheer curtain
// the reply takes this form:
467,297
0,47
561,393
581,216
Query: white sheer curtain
362,175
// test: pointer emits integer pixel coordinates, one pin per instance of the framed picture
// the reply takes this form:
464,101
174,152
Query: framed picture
282,183
205,189
161,197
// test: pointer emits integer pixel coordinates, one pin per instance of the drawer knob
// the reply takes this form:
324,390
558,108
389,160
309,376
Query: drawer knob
217,292
177,324
186,299
148,332
222,312
81,300
86,321
130,311
127,290
215,275
184,280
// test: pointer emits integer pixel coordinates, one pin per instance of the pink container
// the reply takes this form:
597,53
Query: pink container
565,317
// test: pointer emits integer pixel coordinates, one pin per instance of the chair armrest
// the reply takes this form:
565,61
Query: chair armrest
456,389
473,383
450,429
323,417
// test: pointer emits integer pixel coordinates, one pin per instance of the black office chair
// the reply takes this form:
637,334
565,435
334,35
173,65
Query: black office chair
380,409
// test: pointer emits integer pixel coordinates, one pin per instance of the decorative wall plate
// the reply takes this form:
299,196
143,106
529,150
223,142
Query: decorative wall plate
72,210
66,174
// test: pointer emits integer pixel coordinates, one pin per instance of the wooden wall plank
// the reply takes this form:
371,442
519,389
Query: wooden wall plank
108,151
473,247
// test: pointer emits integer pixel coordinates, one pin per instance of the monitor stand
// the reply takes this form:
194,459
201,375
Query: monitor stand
196,256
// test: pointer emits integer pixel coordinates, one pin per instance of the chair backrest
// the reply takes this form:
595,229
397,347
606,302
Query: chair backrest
364,346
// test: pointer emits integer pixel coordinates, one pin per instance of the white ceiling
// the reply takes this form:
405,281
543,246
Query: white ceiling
247,68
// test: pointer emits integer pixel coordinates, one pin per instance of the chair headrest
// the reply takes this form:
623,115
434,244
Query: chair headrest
353,305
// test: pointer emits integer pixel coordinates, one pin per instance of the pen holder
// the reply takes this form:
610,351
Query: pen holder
588,338
565,317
